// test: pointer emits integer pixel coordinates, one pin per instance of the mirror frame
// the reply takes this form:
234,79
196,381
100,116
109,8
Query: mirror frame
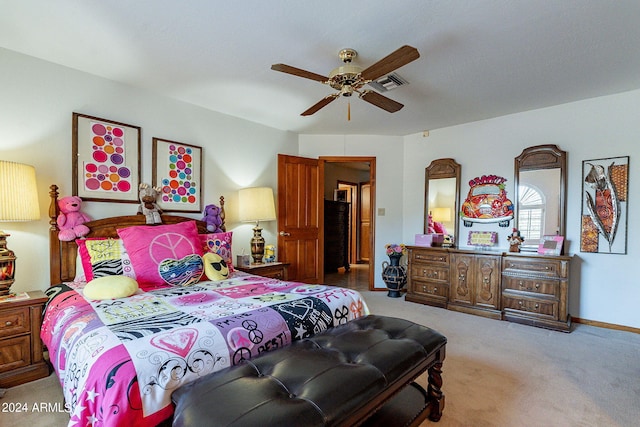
548,156
438,169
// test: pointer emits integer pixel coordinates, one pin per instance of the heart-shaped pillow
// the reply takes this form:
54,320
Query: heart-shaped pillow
181,272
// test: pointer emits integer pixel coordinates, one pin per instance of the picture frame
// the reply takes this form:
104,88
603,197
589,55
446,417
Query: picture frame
551,245
177,170
105,159
482,238
605,200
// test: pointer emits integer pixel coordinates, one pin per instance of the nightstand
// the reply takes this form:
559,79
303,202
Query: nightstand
274,270
21,353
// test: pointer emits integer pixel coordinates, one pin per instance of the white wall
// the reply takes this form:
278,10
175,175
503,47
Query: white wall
36,105
604,287
35,127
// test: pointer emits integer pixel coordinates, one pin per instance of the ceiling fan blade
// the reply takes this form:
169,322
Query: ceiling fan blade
381,101
299,72
320,104
394,60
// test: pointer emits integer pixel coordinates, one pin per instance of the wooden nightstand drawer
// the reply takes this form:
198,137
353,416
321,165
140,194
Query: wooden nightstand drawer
272,270
14,353
21,356
14,322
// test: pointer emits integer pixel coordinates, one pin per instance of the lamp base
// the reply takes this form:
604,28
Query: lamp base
7,265
257,245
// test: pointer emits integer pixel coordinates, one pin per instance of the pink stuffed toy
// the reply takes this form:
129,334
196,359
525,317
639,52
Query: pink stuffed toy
71,220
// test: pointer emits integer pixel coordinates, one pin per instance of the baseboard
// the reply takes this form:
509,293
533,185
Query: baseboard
606,325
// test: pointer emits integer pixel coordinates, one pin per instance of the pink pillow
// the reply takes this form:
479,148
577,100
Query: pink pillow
439,228
149,246
219,243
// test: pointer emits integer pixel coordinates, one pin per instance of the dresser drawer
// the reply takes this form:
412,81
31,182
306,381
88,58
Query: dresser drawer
531,306
14,322
430,288
537,286
14,353
432,273
430,257
532,266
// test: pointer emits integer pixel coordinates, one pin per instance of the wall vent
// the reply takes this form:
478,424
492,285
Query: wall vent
388,82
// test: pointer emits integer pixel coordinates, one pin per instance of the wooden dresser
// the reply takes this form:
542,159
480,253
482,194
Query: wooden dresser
21,352
428,276
535,290
336,235
519,287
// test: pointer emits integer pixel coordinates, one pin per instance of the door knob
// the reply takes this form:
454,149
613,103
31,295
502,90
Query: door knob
285,234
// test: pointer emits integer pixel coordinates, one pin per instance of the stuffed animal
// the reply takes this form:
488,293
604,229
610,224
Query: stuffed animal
213,219
70,220
148,206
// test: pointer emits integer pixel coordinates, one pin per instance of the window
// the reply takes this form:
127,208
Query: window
531,212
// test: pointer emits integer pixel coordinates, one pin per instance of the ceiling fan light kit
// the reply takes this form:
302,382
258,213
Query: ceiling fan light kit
349,78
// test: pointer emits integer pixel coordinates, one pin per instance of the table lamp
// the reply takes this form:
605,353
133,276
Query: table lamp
441,214
18,202
256,204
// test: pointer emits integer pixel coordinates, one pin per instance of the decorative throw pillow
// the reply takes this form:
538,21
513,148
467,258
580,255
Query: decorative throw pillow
182,272
215,267
110,287
150,245
104,257
219,243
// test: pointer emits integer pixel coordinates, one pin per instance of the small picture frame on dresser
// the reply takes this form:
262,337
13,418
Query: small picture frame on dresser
551,245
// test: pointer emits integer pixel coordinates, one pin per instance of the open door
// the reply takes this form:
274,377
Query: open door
300,217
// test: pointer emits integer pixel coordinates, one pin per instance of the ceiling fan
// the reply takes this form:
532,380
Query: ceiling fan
349,78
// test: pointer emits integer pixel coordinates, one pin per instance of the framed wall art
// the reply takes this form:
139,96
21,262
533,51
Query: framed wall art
106,160
605,193
177,170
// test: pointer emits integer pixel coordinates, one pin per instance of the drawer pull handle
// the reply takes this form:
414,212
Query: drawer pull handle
8,323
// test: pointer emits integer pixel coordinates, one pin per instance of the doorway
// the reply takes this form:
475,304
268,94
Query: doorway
352,180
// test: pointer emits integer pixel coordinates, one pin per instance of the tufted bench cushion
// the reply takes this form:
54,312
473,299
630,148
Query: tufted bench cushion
339,377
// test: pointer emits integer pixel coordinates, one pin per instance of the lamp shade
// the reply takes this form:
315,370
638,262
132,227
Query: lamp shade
256,204
18,192
441,214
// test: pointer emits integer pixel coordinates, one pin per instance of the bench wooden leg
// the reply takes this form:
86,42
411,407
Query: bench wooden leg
434,392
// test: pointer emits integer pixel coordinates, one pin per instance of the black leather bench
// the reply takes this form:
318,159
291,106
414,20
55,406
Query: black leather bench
361,372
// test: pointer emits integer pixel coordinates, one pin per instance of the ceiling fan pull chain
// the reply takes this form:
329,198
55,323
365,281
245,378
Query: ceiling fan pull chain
348,111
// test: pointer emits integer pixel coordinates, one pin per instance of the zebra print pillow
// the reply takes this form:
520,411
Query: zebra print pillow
104,257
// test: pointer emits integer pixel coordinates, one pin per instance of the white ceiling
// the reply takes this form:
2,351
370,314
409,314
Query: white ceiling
479,58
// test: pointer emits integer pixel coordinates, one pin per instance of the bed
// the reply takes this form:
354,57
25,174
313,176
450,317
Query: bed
118,360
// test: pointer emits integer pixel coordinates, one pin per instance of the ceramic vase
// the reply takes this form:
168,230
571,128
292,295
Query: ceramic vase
394,275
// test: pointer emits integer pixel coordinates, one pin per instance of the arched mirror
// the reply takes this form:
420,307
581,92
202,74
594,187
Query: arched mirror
540,188
441,191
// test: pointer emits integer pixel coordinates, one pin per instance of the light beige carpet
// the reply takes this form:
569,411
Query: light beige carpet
495,374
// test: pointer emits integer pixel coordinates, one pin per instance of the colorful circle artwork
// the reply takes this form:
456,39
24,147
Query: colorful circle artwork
180,185
107,170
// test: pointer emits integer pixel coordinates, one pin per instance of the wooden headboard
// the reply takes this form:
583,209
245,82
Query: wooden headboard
62,255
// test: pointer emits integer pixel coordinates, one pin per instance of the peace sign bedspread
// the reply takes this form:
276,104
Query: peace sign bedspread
119,360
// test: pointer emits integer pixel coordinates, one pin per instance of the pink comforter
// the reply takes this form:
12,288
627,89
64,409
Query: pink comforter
119,360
